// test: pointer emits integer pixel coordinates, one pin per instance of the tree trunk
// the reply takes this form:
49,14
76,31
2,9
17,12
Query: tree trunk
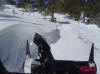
52,18
52,15
84,17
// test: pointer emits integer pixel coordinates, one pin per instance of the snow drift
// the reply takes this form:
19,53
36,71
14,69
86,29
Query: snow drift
13,45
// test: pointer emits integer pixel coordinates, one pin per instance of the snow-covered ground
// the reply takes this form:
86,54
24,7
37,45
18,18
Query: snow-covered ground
76,40
68,39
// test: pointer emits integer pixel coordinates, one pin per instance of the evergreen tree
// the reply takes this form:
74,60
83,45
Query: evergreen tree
92,7
53,6
23,3
72,7
41,5
2,4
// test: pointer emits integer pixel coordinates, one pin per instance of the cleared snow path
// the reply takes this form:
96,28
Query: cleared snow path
70,46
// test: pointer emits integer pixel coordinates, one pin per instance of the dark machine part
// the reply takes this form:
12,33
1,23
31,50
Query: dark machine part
46,64
3,70
43,48
28,49
91,58
52,66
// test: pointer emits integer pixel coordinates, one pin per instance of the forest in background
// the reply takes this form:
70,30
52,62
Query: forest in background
73,7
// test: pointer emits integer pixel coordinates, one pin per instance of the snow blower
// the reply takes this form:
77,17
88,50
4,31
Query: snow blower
46,64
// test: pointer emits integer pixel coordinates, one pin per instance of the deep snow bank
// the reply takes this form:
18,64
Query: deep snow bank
13,44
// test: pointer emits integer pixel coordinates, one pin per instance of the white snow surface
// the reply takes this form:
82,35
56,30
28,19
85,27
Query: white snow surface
16,29
68,39
76,40
28,63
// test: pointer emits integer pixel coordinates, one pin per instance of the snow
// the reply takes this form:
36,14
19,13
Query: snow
15,31
70,44
76,40
28,63
68,39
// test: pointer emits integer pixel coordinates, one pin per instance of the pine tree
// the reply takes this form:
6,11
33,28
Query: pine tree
92,7
41,5
23,3
2,2
52,7
72,7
